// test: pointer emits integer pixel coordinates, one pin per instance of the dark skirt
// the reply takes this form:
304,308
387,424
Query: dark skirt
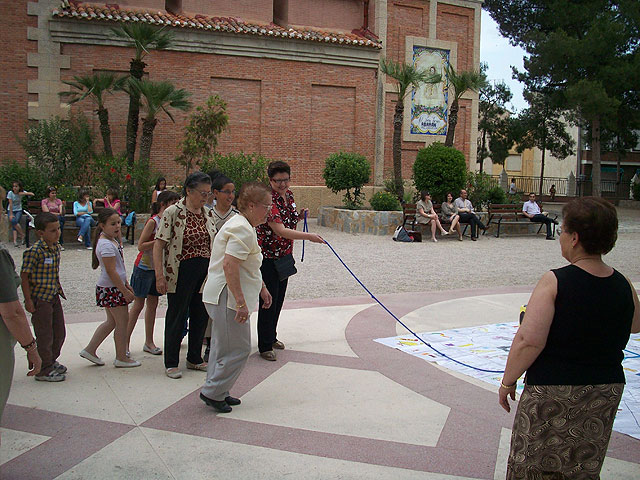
562,431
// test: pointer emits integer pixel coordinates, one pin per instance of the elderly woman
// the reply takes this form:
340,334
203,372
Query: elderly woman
231,293
13,321
425,215
181,255
276,238
570,344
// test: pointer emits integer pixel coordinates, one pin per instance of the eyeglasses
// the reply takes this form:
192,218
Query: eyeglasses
204,193
228,192
281,181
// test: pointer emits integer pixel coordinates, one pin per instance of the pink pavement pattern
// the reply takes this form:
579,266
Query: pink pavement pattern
467,446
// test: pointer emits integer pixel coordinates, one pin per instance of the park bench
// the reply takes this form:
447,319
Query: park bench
511,214
34,207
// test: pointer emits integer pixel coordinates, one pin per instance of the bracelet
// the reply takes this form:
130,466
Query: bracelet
30,346
508,386
240,305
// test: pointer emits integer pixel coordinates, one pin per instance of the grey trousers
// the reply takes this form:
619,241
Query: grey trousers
7,342
230,350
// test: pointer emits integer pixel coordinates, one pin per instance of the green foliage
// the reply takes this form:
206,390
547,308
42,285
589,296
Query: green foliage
636,191
60,150
407,75
201,134
239,167
497,195
385,201
32,178
482,189
346,171
66,192
132,182
439,169
144,37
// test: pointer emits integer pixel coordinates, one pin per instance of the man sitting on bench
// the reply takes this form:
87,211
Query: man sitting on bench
465,210
531,210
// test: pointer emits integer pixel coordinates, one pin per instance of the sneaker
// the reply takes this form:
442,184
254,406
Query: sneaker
52,376
80,239
58,367
89,248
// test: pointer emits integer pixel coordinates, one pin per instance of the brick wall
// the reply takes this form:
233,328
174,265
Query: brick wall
252,10
14,75
300,118
455,24
345,15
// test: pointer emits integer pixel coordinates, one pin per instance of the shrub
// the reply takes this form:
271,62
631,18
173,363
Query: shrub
439,170
239,167
410,194
497,195
636,191
32,178
480,187
384,201
346,171
61,150
133,183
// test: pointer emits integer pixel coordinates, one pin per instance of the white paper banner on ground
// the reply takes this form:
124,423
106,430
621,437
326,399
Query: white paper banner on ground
487,347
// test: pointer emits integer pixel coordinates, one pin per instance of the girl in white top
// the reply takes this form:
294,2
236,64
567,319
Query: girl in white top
161,186
231,292
112,290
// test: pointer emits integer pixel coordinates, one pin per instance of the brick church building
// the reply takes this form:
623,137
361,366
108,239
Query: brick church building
301,77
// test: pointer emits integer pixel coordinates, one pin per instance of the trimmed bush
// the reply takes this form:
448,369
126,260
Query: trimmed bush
239,167
497,195
384,201
439,170
347,171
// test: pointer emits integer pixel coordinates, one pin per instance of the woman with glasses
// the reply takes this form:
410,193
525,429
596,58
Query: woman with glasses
181,257
276,238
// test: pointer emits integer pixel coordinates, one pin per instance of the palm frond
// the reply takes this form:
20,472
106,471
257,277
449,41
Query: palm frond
407,75
460,82
144,37
160,96
93,86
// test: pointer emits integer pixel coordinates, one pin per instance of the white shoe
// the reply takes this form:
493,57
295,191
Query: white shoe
92,358
173,372
120,364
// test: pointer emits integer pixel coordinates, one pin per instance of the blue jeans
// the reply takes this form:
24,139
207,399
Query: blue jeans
84,223
61,219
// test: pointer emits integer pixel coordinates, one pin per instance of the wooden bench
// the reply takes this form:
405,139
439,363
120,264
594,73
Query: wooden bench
34,207
511,214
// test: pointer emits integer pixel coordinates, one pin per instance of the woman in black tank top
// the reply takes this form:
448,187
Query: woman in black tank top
570,344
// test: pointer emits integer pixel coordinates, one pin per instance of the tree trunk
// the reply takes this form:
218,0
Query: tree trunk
146,140
136,70
397,150
105,130
453,121
482,148
595,157
544,149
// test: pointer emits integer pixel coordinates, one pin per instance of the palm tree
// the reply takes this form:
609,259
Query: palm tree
143,37
95,87
406,75
156,97
459,83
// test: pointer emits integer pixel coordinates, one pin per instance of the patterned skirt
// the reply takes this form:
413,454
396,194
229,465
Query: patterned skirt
109,297
562,431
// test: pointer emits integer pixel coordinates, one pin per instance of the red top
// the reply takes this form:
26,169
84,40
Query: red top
283,211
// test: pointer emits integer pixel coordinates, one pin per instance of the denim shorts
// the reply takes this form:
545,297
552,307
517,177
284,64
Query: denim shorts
17,215
143,282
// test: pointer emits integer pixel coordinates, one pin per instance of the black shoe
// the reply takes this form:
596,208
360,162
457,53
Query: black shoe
232,400
218,406
474,238
550,238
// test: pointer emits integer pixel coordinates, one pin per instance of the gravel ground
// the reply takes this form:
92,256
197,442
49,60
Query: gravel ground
387,267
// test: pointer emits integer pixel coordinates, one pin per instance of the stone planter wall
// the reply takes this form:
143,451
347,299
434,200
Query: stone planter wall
359,221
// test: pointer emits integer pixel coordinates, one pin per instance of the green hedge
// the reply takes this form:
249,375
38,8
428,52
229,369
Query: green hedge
347,171
384,201
439,169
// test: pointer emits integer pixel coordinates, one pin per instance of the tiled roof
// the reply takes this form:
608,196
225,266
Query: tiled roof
113,13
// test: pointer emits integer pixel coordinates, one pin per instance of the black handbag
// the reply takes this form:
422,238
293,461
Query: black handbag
285,266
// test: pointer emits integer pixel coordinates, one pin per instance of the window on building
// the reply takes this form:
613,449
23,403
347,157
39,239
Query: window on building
173,6
514,163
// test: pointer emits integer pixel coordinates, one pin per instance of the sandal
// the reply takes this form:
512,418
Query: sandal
174,372
270,355
197,366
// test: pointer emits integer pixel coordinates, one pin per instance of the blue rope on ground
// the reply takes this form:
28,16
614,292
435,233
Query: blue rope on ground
305,228
400,321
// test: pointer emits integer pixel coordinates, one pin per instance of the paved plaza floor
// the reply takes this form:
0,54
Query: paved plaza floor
336,405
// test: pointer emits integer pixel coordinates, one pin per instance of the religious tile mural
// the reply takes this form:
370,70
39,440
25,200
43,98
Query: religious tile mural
429,101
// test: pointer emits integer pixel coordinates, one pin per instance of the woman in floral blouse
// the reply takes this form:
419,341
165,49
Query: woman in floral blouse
276,238
181,259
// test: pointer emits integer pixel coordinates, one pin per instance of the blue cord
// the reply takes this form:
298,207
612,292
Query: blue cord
305,228
397,319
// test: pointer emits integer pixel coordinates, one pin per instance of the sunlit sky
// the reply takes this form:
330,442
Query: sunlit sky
500,56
